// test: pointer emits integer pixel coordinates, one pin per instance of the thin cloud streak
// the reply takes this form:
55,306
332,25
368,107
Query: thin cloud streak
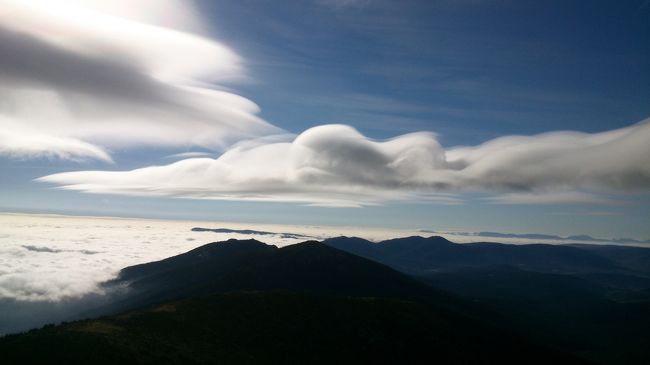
17,144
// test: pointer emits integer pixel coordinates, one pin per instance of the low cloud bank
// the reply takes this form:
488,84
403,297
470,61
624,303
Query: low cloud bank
334,165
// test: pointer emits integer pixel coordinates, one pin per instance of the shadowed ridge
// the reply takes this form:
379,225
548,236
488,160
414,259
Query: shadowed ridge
636,258
418,239
405,246
417,245
419,255
317,268
215,251
304,303
562,295
309,267
354,245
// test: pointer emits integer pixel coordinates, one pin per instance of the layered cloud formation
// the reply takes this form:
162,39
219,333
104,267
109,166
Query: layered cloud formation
78,78
336,165
81,78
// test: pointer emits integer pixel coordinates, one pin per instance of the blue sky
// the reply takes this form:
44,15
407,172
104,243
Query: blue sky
468,71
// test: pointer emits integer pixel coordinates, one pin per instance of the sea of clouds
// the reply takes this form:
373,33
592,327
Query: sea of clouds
51,266
52,258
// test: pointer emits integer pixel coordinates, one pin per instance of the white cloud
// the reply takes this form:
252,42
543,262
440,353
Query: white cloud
51,266
615,160
51,258
184,155
335,165
329,165
32,145
78,78
555,197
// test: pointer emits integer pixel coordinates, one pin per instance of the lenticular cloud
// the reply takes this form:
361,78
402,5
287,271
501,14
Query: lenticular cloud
78,78
335,165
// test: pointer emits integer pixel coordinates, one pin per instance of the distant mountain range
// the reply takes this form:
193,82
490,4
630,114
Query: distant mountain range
349,300
251,232
588,299
542,237
419,255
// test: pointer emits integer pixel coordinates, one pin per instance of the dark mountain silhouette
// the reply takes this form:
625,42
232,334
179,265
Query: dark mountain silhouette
541,237
583,237
276,328
588,299
575,313
532,236
630,257
247,302
419,255
309,267
251,232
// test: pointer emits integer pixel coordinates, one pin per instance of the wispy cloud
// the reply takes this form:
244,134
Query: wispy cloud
114,77
338,4
184,155
554,197
334,165
591,213
118,74
20,143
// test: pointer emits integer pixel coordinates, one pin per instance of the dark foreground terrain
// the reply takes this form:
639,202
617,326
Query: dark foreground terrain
413,300
275,328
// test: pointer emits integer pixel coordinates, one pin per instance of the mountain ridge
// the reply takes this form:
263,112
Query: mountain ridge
201,306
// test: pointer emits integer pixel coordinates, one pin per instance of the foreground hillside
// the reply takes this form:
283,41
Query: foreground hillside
244,302
275,328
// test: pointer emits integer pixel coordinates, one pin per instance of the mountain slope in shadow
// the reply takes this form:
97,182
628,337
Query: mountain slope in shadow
586,299
276,328
308,267
245,302
419,255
